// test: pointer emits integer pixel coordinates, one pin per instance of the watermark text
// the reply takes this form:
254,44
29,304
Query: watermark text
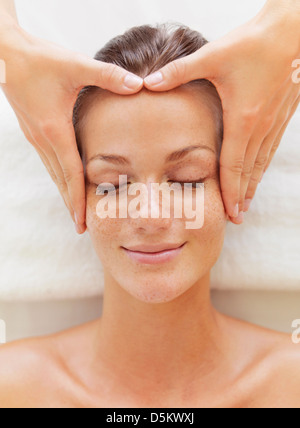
134,200
296,73
296,332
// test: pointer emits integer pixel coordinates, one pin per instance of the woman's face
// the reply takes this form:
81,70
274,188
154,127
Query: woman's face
146,129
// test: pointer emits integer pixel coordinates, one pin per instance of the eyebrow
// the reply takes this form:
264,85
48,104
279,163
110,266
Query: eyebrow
175,156
116,159
181,153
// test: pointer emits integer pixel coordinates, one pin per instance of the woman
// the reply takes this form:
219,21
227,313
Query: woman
159,343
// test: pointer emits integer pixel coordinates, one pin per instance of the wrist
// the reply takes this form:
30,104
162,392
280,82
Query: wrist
281,18
15,43
8,24
12,36
8,17
284,5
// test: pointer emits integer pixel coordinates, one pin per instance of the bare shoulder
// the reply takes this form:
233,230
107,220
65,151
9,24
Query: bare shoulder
23,366
272,372
284,377
34,372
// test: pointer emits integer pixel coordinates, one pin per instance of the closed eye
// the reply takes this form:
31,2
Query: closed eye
104,188
194,183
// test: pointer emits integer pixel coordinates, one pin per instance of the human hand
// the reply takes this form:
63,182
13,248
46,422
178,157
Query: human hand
251,68
42,84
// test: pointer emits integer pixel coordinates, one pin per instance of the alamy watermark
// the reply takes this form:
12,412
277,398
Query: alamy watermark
2,332
296,73
296,332
2,71
133,201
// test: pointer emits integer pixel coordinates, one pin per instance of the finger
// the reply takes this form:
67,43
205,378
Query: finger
53,169
247,172
52,166
274,138
237,131
260,161
105,75
257,150
65,148
200,64
237,220
50,160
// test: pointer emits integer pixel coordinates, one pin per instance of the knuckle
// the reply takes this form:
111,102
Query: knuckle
283,117
253,183
247,171
109,74
177,69
261,161
48,129
249,116
69,176
275,147
236,167
61,183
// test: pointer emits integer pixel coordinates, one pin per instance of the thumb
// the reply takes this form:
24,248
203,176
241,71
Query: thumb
106,76
198,65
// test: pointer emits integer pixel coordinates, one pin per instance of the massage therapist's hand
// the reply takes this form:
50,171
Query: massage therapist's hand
253,70
42,84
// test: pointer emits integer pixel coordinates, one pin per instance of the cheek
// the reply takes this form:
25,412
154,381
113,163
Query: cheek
210,238
215,214
103,232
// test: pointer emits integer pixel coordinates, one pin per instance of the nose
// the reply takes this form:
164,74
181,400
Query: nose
155,210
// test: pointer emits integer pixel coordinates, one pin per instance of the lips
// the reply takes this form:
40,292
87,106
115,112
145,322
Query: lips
154,254
153,248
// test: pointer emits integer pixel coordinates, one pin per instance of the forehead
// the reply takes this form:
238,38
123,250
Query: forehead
153,121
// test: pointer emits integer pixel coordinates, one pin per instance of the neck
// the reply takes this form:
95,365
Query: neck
155,342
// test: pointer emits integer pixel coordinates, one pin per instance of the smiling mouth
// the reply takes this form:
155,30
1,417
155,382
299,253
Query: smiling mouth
154,255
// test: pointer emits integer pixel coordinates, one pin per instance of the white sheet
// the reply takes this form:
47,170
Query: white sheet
41,257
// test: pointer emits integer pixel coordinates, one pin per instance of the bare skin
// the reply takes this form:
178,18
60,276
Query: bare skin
159,343
39,373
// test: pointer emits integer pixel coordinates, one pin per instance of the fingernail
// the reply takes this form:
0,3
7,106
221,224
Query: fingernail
154,78
76,218
240,217
236,211
247,204
132,81
80,229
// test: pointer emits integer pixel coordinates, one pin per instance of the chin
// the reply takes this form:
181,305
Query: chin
156,290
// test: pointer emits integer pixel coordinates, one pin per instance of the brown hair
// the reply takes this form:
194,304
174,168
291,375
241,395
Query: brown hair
144,50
